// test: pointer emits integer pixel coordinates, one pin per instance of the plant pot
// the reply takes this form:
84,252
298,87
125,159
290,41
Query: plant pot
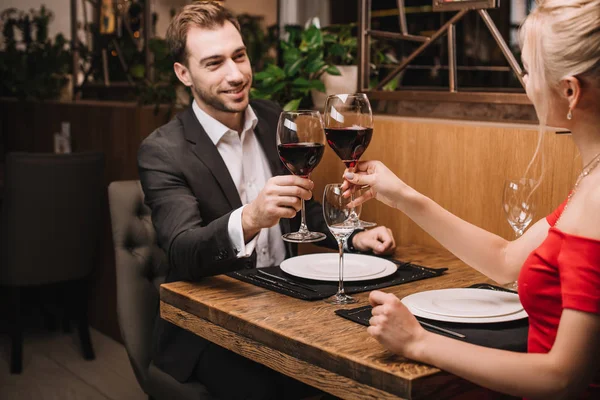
347,82
66,92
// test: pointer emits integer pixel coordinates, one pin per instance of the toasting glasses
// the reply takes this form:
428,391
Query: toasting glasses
349,127
339,221
519,207
301,147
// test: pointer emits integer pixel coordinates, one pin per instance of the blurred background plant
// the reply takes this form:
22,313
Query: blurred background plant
302,64
32,65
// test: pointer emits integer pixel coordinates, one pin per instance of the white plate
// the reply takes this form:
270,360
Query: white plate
468,307
324,267
465,303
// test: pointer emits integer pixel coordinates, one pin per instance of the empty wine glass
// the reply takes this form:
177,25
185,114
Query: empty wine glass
301,144
349,129
339,221
519,207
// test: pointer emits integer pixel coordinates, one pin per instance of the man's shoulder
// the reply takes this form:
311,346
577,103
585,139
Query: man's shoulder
166,135
265,108
164,139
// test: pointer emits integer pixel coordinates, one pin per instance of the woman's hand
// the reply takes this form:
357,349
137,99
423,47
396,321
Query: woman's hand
394,326
383,184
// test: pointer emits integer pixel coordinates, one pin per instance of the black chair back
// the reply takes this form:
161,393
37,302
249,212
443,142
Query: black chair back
51,217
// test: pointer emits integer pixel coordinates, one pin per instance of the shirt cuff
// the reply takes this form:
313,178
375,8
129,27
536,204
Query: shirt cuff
236,235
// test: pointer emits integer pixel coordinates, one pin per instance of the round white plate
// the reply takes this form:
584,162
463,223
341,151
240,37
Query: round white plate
465,303
324,267
477,314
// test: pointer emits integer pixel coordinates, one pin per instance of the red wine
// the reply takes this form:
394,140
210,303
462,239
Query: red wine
301,158
349,143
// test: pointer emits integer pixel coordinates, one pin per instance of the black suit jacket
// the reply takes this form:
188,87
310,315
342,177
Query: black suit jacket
191,194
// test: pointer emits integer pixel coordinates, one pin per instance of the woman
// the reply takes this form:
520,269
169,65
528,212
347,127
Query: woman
557,261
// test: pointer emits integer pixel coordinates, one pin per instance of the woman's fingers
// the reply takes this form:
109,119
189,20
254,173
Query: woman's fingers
366,196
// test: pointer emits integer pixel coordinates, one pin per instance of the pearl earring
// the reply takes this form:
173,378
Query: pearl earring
570,115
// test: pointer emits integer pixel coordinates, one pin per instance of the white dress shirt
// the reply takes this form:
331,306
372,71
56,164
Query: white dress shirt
249,170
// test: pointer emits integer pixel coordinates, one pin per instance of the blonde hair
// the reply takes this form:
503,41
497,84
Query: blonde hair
562,39
201,14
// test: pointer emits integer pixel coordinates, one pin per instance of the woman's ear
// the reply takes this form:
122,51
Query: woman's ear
570,90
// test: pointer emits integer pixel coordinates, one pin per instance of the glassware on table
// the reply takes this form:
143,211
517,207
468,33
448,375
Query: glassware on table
301,144
339,221
519,207
349,128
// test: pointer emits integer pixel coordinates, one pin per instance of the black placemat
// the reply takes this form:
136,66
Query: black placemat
510,335
316,290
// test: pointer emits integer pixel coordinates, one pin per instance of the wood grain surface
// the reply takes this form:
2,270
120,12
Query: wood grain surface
307,341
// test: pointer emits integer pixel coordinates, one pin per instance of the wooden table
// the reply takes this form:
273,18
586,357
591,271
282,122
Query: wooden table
308,342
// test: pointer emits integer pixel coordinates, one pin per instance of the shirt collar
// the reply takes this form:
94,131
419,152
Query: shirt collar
215,129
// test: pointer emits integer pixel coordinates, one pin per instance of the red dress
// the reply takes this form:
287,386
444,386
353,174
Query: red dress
563,272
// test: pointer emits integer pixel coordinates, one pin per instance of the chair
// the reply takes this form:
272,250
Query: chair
50,234
141,268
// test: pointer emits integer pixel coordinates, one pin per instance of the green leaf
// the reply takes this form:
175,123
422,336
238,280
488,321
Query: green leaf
337,49
292,105
137,71
317,85
258,94
312,39
301,83
259,76
333,70
275,71
291,70
278,87
315,66
291,54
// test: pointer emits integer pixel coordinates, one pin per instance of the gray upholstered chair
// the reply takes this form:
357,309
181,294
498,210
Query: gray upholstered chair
50,234
141,268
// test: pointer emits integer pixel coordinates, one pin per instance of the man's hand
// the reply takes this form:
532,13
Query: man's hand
280,198
380,240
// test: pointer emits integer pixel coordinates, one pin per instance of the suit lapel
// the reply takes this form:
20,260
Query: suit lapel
266,136
207,152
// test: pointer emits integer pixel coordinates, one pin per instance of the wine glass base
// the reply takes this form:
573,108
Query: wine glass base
303,237
340,299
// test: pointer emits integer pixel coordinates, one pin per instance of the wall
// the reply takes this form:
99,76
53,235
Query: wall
461,165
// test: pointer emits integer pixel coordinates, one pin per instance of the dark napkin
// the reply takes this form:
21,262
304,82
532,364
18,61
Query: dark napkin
510,335
406,272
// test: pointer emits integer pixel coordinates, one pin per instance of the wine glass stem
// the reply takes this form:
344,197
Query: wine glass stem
341,266
303,227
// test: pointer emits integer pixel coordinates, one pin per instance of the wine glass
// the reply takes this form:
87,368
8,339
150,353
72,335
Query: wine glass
519,207
301,144
339,221
349,128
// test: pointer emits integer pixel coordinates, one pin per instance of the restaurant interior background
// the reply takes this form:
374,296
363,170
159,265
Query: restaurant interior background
456,149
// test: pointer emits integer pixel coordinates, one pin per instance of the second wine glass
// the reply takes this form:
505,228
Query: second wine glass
519,208
301,144
349,129
339,221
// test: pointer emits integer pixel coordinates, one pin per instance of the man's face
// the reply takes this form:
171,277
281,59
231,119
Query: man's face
218,69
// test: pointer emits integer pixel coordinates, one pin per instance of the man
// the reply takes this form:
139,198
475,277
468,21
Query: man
219,197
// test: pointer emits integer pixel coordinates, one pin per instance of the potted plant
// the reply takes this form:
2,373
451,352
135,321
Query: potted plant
302,65
339,49
33,67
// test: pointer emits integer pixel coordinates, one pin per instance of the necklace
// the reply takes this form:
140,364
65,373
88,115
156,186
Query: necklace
587,169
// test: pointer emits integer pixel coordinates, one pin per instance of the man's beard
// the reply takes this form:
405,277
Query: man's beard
215,102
